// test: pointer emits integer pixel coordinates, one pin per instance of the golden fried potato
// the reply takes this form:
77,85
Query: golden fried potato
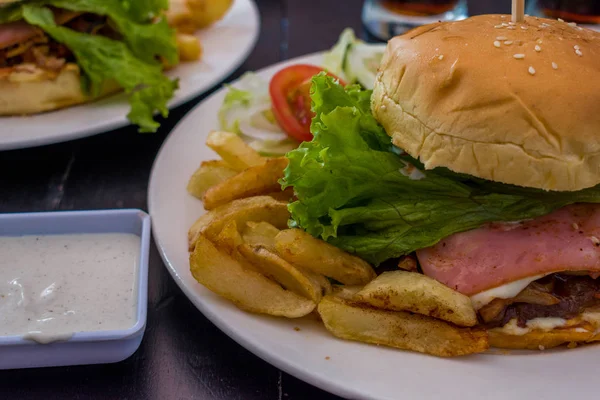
399,329
254,181
346,292
228,241
414,292
247,289
299,281
233,150
283,195
260,234
259,208
301,249
209,174
189,47
188,16
539,340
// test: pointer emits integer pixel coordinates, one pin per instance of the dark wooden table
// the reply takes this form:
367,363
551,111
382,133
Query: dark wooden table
183,355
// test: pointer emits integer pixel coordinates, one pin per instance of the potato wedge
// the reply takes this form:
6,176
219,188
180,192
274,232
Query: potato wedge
283,195
209,174
254,181
260,234
301,249
346,292
189,47
290,277
228,241
348,320
233,150
414,292
189,16
259,208
247,289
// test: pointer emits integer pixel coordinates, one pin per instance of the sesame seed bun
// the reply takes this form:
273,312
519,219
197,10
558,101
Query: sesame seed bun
27,89
517,104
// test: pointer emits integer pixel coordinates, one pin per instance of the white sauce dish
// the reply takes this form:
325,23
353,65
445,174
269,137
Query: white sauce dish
73,287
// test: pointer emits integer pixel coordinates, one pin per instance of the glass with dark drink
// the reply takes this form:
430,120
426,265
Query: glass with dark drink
387,18
580,11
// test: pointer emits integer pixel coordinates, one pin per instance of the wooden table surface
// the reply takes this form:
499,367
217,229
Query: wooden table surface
183,355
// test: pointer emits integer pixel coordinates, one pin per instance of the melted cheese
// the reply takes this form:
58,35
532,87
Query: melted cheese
507,291
539,324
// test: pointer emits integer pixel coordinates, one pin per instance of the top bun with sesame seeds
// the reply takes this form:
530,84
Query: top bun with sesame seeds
513,103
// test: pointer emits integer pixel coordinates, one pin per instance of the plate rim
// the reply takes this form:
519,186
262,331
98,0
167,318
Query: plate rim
122,121
269,357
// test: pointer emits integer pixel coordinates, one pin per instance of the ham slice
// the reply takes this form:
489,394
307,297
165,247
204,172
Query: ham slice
17,32
497,254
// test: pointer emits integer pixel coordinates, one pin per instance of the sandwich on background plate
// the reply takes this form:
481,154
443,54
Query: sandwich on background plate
490,179
58,53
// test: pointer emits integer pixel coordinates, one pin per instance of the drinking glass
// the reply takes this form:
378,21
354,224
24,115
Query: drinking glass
387,18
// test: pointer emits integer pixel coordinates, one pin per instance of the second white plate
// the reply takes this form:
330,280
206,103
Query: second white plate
304,348
225,47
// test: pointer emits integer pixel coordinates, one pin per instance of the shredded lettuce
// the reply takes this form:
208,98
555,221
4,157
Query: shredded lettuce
133,62
353,191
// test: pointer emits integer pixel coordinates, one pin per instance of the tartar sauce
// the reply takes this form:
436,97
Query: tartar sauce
56,285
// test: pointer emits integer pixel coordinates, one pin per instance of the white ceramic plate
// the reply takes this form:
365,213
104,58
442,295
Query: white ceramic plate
225,46
349,369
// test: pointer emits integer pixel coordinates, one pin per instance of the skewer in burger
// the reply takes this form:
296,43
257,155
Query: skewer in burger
57,53
478,154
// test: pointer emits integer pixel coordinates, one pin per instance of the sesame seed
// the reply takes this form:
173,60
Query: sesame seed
554,65
572,23
519,56
561,20
504,24
575,226
578,52
501,38
503,16
539,41
524,27
508,42
576,47
531,70
511,28
527,15
497,44
441,57
512,23
544,25
538,48
498,26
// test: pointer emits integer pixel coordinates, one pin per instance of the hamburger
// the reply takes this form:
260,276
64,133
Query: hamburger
477,156
58,53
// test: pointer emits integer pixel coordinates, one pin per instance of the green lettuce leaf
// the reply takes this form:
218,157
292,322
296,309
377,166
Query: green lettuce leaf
356,190
103,60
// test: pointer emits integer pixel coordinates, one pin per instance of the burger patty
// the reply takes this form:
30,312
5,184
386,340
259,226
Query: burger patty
557,295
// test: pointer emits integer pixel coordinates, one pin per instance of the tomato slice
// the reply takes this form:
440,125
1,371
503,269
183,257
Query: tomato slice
290,96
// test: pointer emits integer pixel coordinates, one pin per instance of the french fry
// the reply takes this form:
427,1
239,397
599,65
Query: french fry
414,292
233,150
189,47
259,208
254,181
301,249
292,278
260,234
348,320
247,289
209,174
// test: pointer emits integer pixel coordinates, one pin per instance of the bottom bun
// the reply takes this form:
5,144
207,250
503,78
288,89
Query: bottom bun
540,340
29,90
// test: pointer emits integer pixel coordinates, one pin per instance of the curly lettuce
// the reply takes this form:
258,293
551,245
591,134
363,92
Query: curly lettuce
360,193
133,61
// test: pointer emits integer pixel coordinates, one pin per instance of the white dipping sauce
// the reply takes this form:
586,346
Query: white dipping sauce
56,285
